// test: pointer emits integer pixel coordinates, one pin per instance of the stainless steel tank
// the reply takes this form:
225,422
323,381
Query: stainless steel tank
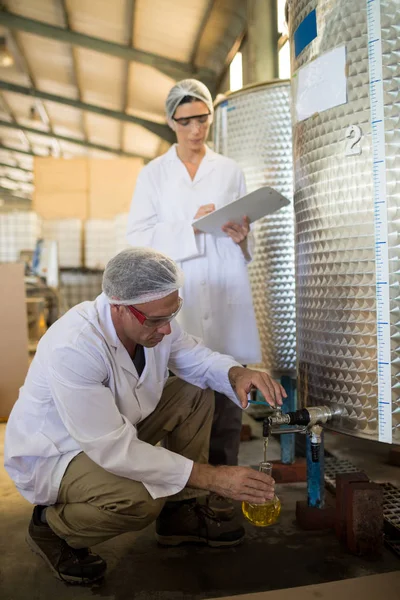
253,127
346,137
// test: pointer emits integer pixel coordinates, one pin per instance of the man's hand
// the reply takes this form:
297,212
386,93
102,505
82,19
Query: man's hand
237,483
244,380
204,210
237,232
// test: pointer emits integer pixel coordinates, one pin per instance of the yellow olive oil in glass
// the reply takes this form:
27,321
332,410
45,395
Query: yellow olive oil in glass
267,513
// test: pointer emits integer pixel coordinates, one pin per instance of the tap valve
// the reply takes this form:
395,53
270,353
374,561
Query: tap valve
303,418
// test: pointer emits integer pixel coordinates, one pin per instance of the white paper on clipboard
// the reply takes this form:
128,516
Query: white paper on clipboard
255,205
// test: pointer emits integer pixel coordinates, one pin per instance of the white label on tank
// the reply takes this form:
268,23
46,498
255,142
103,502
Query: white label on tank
320,84
380,218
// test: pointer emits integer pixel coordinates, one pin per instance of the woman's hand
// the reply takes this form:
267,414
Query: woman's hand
204,210
237,232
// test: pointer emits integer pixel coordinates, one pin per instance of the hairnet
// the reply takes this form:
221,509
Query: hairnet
138,275
187,87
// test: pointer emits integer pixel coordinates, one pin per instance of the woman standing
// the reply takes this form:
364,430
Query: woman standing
187,182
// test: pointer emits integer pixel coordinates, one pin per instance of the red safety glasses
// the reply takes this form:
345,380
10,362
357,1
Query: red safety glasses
153,322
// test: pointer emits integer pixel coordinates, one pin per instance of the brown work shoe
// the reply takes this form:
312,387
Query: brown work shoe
68,564
193,522
222,507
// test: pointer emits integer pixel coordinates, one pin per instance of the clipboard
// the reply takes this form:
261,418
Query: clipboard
255,205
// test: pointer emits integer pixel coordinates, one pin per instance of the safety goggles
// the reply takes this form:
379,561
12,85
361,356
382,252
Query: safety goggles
153,322
199,119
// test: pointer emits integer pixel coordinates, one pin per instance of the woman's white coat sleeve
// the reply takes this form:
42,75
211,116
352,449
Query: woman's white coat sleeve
176,239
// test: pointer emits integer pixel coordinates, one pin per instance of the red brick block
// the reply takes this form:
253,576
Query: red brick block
245,433
365,519
294,473
314,519
342,486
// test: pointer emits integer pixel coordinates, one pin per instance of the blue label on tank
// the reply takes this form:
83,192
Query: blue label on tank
224,103
305,33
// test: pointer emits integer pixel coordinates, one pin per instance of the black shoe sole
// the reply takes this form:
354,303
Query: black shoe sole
65,578
176,540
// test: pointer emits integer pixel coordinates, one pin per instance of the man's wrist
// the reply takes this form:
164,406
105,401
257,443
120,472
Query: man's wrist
233,374
202,477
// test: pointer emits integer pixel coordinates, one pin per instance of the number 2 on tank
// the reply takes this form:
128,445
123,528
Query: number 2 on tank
353,140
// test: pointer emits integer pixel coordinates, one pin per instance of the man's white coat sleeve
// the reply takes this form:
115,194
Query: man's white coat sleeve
89,412
192,361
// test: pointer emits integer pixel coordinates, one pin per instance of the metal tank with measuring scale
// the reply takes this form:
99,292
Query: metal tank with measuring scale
253,127
346,136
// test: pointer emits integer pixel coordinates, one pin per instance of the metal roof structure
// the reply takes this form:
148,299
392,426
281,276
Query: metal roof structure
90,77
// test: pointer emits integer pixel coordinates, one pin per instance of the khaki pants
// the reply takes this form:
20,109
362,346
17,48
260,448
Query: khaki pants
94,505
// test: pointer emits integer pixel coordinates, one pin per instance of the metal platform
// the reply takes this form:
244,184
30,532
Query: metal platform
391,499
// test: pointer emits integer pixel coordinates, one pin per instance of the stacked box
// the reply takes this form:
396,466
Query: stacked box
121,225
78,286
68,235
99,242
18,231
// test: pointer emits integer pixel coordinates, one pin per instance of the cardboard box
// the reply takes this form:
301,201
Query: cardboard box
84,188
111,186
14,335
61,205
55,175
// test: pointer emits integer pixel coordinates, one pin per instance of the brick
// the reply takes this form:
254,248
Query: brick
245,433
314,519
294,473
342,484
364,520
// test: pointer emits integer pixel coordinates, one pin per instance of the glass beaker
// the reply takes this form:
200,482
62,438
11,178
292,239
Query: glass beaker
267,513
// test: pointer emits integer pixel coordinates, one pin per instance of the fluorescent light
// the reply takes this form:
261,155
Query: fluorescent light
284,61
6,58
236,73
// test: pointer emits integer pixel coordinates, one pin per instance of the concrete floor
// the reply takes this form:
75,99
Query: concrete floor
273,558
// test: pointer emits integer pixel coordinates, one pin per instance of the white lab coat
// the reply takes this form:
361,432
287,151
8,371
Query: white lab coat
83,393
218,305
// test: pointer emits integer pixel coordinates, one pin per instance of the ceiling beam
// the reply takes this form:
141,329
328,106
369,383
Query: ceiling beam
129,24
70,140
200,31
163,131
7,192
172,68
2,164
21,182
9,110
21,61
11,149
75,78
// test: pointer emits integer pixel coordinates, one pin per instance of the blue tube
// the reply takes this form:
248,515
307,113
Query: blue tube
315,475
288,440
